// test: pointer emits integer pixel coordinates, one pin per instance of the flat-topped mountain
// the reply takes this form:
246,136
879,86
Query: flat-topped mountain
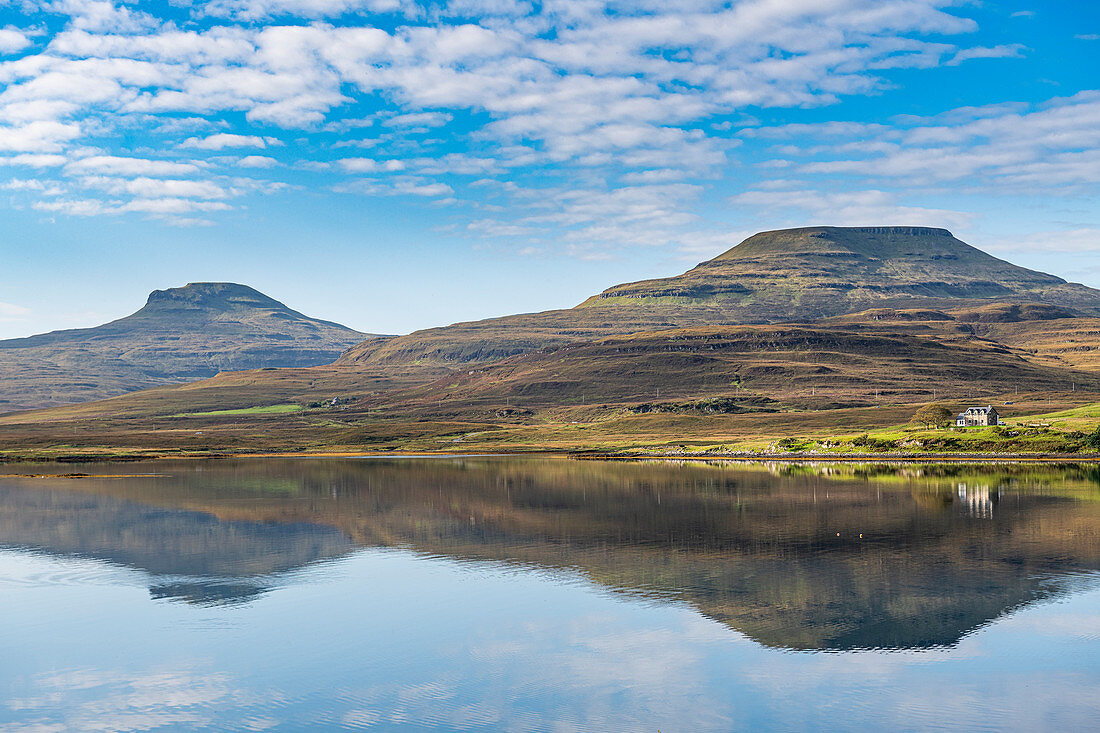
182,334
821,272
807,274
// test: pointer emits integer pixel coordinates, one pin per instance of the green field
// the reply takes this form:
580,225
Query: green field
260,410
1085,417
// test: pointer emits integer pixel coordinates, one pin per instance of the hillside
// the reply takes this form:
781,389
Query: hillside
820,272
790,275
750,368
744,385
651,368
182,334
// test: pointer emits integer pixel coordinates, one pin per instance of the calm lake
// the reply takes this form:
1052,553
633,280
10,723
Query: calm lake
548,595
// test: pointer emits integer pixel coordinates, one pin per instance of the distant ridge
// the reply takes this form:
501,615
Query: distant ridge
808,274
819,272
181,334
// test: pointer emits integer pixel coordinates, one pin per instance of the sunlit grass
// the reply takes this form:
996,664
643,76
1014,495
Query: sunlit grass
261,410
1085,417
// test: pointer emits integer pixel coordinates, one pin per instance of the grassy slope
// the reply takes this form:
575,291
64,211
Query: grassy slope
261,410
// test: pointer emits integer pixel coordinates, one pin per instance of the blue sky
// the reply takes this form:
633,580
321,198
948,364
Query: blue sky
396,165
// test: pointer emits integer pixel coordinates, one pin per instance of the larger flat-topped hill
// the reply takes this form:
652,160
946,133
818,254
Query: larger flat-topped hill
806,275
821,272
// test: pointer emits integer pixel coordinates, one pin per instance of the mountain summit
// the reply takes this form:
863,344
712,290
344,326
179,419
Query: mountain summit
820,272
806,274
218,297
181,334
229,305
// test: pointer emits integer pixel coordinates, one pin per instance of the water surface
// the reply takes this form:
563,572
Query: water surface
548,595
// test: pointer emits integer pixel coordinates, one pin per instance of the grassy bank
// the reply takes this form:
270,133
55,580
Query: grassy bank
1068,431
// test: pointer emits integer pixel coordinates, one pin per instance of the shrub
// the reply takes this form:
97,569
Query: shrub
1093,440
932,415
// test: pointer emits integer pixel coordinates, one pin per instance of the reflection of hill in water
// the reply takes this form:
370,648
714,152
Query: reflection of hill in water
192,555
775,554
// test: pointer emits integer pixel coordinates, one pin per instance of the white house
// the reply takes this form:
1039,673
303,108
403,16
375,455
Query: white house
978,417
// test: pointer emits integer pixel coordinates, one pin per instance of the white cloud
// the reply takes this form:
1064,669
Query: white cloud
100,15
409,186
170,205
650,205
586,92
419,119
458,164
73,207
116,165
152,188
12,41
37,137
41,187
1014,146
849,208
1013,50
158,207
259,9
369,165
257,161
418,187
34,160
491,228
10,312
223,140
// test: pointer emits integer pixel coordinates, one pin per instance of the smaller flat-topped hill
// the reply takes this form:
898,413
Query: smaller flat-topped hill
181,334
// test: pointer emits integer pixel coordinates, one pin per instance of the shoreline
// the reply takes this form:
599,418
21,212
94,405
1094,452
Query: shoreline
861,457
917,458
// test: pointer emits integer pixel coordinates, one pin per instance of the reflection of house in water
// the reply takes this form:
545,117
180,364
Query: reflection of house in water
978,501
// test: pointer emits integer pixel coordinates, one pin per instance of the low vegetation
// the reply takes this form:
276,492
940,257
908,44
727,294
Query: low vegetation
262,410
